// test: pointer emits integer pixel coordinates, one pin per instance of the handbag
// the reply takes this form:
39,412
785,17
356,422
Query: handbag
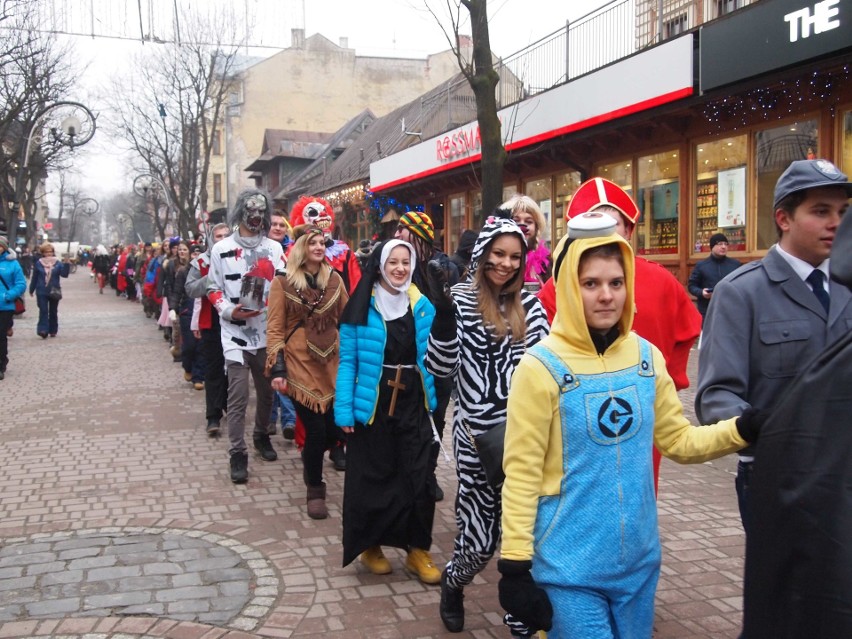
489,446
20,307
54,293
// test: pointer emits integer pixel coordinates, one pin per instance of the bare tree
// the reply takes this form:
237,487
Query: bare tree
34,72
166,112
483,78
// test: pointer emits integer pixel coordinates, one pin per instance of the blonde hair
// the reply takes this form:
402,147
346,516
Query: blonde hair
47,246
511,318
525,204
296,263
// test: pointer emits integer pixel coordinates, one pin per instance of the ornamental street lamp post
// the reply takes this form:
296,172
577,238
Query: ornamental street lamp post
88,206
145,184
70,124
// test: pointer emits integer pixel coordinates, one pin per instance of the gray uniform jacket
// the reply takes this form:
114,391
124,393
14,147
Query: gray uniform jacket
763,326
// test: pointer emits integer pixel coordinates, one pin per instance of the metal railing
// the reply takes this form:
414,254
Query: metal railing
608,34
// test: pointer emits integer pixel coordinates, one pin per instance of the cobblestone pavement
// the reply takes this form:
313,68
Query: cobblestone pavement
118,519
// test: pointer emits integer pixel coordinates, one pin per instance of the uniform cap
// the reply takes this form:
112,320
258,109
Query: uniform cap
809,174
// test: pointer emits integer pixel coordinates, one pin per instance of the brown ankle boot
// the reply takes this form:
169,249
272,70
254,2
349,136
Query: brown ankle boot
316,502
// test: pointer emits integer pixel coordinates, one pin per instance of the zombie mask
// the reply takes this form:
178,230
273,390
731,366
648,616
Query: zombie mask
252,211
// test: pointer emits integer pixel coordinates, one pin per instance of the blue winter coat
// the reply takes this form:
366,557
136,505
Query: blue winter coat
37,283
362,349
13,278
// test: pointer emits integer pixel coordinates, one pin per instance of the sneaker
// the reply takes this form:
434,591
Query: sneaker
420,562
451,607
212,427
239,468
264,447
375,561
289,432
337,455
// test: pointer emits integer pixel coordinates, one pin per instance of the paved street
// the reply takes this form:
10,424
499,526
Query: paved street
118,518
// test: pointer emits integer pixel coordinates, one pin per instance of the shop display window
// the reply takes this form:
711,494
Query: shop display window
566,185
658,198
846,143
720,192
539,190
775,149
456,221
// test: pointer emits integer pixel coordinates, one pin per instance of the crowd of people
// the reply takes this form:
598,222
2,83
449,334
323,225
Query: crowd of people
566,363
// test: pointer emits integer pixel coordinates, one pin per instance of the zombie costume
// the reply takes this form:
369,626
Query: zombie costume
578,500
244,340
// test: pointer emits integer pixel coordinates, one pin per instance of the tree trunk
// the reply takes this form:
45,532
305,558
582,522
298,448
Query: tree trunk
484,82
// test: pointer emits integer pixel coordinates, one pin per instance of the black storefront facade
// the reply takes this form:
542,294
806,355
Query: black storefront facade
698,129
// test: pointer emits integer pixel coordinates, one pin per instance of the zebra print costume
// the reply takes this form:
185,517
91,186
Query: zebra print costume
481,367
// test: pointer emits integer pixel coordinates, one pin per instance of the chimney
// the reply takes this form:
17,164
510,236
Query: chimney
297,38
344,43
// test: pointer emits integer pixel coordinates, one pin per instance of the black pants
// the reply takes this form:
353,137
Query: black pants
5,323
215,380
320,434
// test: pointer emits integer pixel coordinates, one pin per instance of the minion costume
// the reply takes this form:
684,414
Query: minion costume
578,501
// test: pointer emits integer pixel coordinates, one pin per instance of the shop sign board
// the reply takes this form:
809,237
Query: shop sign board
769,36
651,78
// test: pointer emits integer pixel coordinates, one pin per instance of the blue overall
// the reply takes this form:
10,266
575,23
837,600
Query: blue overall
597,548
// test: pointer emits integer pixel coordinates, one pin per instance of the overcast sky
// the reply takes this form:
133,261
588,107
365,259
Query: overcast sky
391,28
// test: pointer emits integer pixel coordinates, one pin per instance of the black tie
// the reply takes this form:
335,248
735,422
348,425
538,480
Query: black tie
816,279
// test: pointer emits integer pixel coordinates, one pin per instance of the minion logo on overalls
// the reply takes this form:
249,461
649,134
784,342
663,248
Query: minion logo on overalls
615,417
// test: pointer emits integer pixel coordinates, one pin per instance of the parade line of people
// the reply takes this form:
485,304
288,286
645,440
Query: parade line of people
558,368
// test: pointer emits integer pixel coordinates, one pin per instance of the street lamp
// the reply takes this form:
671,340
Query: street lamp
88,206
70,124
144,184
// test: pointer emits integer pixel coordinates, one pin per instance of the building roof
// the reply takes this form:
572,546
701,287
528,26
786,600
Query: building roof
281,143
448,105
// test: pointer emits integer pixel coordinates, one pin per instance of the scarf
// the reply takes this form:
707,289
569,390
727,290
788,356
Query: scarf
392,306
48,263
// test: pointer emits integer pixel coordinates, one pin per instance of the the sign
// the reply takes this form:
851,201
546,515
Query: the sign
47,226
731,192
771,35
660,75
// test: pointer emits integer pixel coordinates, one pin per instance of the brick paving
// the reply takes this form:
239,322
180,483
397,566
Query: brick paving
118,519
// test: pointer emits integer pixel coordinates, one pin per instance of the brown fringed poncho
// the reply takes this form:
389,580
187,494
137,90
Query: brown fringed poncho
307,319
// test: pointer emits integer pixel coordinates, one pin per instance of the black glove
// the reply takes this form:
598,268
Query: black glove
439,289
279,368
521,597
750,423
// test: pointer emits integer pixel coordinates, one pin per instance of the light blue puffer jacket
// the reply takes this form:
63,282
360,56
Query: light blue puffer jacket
362,349
14,278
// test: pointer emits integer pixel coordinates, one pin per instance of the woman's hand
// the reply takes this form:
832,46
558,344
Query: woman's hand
279,384
196,334
348,429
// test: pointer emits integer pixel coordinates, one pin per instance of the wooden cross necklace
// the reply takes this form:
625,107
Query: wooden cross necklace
396,385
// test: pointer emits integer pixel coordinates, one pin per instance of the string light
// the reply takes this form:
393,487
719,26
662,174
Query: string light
777,102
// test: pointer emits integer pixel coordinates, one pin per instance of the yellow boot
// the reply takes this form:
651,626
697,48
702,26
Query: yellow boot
420,562
375,561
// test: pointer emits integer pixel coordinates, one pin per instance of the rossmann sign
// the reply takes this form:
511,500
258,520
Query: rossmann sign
770,36
657,76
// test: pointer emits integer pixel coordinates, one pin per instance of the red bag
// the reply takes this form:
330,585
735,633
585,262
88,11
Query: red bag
20,307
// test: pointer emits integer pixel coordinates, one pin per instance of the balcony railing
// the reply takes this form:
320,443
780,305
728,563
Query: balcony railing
608,34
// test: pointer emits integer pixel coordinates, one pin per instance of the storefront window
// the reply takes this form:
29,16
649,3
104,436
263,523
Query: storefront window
776,148
720,192
620,172
566,185
846,143
456,221
539,190
658,198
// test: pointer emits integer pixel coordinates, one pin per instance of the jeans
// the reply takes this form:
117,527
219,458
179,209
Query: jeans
216,382
192,356
48,315
283,405
742,483
5,323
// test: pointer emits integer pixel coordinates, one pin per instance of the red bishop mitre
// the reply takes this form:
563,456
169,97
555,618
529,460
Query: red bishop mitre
601,192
